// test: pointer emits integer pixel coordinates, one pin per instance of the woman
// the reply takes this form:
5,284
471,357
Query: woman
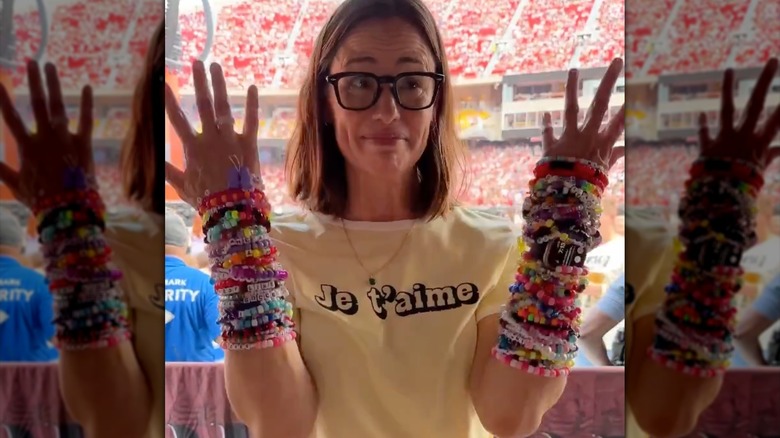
396,290
667,394
111,366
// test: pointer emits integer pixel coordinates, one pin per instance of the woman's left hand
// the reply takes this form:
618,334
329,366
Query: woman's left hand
588,142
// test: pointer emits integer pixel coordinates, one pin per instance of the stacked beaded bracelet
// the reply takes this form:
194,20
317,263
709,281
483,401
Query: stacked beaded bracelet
89,309
540,324
253,310
695,324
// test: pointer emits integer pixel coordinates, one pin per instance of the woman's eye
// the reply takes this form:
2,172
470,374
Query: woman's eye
410,84
359,83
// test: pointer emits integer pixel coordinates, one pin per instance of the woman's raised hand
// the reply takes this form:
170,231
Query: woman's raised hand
747,141
53,159
218,158
588,142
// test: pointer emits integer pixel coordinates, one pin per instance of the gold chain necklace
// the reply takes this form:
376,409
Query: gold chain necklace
372,276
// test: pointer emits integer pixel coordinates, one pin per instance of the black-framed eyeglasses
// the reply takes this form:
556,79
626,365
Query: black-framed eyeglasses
359,91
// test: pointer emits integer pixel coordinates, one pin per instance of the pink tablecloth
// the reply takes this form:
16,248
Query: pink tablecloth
195,397
591,406
748,406
30,401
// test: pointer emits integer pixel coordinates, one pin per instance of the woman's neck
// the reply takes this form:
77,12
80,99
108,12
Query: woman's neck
370,199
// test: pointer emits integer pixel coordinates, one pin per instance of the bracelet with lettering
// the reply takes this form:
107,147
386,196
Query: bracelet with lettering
540,324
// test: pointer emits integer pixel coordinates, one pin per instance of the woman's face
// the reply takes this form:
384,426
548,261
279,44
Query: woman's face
385,140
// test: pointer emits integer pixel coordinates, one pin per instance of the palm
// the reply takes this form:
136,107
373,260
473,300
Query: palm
46,154
214,153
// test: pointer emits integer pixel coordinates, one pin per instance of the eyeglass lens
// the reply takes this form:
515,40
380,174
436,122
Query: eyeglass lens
359,91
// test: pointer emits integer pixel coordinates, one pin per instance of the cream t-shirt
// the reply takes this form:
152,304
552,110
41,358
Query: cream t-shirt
137,239
393,360
649,264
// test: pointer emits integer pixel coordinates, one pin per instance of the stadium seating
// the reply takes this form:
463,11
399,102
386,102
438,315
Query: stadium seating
269,43
248,37
644,21
700,36
544,37
608,42
28,38
764,43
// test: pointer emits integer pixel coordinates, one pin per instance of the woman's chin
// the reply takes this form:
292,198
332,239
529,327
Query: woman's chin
391,169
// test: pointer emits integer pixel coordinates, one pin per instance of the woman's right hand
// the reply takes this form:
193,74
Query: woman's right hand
214,155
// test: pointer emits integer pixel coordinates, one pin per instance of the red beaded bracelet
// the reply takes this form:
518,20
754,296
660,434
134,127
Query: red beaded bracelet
231,195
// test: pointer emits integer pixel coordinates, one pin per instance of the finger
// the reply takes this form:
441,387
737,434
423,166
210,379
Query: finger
618,152
252,113
177,118
56,105
175,177
704,131
615,127
12,118
772,126
727,101
757,99
10,177
37,96
203,98
547,131
221,103
85,114
600,103
572,100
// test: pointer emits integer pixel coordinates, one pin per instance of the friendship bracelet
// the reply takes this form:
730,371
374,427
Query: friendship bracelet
247,279
717,223
540,323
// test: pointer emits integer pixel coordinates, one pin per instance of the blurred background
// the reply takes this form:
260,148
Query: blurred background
677,52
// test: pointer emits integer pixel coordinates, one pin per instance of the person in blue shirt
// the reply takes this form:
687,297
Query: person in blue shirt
603,317
191,304
759,317
26,305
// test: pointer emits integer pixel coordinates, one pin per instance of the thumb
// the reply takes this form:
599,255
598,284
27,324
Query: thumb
175,178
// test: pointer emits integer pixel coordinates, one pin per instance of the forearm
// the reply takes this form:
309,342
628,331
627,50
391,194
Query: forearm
594,349
292,409
106,391
539,326
665,403
750,349
102,383
511,404
688,344
262,357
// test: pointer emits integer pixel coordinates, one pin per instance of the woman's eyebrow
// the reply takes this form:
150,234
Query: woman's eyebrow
406,59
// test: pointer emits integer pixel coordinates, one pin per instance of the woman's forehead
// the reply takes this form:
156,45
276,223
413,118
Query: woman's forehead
372,45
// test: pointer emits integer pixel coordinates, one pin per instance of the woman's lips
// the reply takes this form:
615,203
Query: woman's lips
384,140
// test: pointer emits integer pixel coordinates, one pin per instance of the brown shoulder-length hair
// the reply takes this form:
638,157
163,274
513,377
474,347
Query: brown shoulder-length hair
143,172
315,168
